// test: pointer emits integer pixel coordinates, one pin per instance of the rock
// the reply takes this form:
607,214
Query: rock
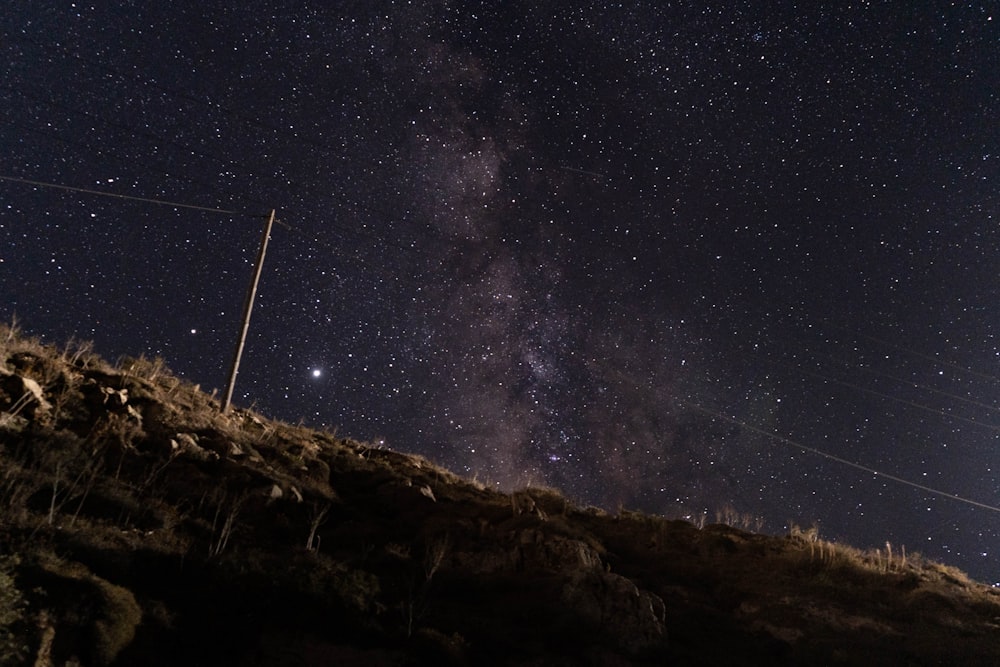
187,444
539,549
521,502
26,395
33,388
614,606
277,491
102,398
134,414
115,398
531,549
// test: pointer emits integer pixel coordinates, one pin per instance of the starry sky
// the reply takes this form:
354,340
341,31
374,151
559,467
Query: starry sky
667,256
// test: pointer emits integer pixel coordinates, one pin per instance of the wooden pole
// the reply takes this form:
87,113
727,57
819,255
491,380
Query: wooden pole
247,307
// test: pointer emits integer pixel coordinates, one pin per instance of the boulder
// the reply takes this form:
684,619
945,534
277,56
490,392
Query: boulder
540,549
615,607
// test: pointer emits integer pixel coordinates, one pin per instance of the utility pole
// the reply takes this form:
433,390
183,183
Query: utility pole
247,307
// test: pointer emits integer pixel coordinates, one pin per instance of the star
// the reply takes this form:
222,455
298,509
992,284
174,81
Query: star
562,230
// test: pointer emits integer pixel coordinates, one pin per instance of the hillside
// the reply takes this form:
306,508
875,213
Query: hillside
139,526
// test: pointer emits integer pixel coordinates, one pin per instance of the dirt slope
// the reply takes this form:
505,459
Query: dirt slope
138,526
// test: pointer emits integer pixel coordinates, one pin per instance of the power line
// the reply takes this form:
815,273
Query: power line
366,234
342,199
306,235
921,355
889,397
45,99
837,459
985,376
128,165
116,195
906,382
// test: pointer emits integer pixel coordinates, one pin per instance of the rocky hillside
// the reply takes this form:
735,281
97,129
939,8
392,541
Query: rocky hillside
139,526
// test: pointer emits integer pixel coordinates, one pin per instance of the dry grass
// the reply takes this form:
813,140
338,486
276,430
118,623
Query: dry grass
131,463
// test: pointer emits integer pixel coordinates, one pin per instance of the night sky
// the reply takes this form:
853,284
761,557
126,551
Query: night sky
667,256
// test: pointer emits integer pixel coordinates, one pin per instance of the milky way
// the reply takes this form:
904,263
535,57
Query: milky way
667,258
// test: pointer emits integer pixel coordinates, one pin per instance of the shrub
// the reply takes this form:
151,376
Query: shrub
101,615
115,628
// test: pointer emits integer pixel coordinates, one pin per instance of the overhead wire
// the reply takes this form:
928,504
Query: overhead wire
909,383
46,100
225,162
834,457
372,236
244,118
903,401
174,204
936,360
772,435
116,195
915,353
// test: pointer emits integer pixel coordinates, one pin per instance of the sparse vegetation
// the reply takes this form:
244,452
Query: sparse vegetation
127,500
744,520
